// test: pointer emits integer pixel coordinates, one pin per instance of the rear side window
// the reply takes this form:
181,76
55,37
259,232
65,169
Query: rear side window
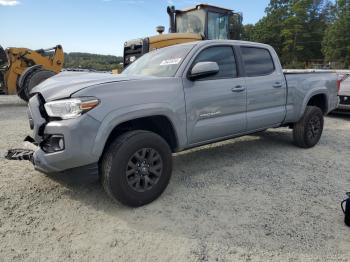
223,56
257,61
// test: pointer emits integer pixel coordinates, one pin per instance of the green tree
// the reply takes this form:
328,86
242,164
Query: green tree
304,29
295,28
268,29
336,43
247,32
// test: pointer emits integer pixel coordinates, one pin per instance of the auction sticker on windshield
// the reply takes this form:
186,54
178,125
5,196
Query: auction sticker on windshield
173,61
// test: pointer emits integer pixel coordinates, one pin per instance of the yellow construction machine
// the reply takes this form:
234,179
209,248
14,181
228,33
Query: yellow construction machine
197,23
21,69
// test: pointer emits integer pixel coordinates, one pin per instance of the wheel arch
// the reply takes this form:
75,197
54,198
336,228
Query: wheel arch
317,98
160,122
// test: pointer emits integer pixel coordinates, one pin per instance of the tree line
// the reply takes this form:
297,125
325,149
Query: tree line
92,61
305,33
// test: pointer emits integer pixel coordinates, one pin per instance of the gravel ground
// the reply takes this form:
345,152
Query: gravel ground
253,198
11,100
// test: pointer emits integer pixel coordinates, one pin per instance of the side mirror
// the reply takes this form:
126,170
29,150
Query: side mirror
203,69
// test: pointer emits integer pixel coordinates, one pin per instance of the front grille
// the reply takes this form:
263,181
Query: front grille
30,118
37,116
345,100
41,105
134,49
131,55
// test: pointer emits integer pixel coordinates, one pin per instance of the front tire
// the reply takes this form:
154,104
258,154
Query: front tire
136,168
308,130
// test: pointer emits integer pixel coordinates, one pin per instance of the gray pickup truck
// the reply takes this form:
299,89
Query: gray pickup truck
127,126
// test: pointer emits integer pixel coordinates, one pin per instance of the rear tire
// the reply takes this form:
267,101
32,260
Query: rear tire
136,168
308,130
32,80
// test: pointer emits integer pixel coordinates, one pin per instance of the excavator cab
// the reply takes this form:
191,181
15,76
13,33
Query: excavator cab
198,23
212,22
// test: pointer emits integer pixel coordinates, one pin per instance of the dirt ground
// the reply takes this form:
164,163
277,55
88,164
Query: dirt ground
249,199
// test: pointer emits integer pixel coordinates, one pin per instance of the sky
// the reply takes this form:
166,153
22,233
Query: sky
96,26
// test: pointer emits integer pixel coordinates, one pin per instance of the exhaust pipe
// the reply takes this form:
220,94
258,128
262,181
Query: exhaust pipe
160,29
171,12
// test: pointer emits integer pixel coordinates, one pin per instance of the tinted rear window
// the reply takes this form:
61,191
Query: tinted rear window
257,61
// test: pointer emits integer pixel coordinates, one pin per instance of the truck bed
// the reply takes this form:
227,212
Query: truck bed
305,84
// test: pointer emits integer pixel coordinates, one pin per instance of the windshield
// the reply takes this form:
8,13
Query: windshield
161,62
191,22
217,26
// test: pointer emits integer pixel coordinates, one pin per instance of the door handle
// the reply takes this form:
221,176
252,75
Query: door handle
277,85
238,89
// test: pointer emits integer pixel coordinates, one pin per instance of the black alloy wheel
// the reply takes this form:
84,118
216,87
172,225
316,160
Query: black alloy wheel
144,169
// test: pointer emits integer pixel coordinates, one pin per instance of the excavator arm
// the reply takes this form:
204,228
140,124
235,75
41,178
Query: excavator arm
32,67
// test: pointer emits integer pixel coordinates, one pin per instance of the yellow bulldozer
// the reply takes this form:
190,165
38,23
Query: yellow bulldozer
197,23
21,69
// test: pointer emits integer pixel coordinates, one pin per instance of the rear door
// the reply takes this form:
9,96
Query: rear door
215,105
266,88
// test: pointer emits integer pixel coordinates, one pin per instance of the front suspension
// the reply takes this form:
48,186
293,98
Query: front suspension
20,154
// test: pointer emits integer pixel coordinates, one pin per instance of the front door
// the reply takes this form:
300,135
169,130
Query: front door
216,105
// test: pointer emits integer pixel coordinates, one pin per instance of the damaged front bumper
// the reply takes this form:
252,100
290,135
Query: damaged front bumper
23,153
59,145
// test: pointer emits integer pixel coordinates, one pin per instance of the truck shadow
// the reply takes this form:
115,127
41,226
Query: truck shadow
234,190
342,115
87,187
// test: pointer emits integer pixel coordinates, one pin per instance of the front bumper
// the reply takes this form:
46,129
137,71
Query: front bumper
344,107
79,136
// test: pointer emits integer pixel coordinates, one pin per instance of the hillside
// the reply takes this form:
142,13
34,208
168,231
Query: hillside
92,61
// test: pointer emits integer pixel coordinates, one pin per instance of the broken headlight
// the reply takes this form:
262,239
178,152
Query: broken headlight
70,108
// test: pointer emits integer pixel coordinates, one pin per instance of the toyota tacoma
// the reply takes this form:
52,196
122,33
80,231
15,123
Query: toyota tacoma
126,127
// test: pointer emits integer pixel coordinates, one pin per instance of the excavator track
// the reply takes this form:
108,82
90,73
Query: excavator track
30,80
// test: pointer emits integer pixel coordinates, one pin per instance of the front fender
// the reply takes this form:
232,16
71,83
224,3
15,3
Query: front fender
121,115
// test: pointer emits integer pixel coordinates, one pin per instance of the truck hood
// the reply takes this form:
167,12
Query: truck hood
65,84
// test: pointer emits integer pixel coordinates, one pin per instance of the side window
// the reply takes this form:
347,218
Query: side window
223,56
257,61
